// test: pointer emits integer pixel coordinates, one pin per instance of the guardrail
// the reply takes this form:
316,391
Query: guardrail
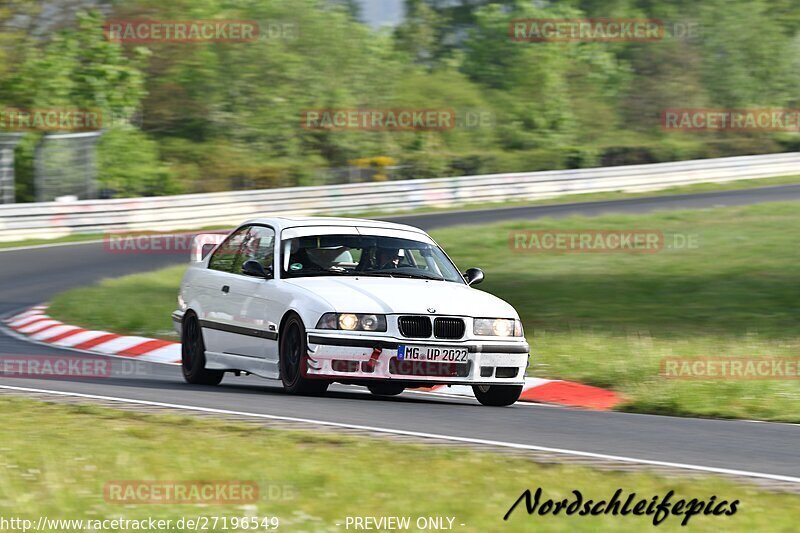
192,211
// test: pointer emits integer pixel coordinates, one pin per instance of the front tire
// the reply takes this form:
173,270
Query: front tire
497,395
294,359
193,355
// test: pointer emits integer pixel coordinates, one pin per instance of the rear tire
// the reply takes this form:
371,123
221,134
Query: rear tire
193,355
497,395
386,389
294,360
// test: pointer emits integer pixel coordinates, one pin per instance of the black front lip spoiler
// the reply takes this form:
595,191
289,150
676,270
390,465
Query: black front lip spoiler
392,345
353,343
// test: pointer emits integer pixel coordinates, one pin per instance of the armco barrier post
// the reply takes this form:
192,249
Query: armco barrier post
8,141
65,166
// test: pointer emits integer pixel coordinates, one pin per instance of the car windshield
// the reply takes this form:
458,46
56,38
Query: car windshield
366,255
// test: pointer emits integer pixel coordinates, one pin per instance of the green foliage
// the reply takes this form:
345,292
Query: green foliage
745,56
23,168
421,34
78,68
129,165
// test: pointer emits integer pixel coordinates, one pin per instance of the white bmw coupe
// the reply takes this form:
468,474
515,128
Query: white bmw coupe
311,301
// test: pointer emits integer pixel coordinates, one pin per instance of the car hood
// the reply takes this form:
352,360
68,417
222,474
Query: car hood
399,295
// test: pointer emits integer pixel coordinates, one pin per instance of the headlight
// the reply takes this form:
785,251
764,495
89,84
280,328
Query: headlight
497,327
348,321
352,322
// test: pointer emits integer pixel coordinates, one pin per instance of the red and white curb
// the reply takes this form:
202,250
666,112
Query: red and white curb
37,326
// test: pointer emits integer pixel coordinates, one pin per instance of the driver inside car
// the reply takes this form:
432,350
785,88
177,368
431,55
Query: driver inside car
329,258
389,257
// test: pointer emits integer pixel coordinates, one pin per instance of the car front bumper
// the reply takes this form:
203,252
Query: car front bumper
358,357
177,321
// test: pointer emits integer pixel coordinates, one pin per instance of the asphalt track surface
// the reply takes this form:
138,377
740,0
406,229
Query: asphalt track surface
31,276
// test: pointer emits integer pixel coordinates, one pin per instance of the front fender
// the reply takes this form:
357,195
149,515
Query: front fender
309,306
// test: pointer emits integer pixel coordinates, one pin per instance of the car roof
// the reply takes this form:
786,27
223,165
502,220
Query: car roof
284,222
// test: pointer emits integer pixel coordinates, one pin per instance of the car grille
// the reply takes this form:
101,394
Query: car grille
418,327
448,328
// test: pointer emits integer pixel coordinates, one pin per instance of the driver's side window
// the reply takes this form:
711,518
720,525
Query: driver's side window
259,244
225,257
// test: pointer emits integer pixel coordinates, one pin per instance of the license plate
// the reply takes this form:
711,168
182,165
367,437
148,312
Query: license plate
431,353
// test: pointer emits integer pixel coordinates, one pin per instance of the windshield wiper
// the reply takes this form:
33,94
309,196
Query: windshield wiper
377,274
402,275
313,273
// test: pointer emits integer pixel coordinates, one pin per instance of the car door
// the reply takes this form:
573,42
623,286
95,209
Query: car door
219,309
257,311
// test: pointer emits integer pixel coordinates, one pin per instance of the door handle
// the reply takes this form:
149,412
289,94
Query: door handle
226,289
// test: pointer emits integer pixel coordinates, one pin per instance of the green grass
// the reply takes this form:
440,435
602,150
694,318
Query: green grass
80,237
612,195
56,460
609,319
606,319
139,304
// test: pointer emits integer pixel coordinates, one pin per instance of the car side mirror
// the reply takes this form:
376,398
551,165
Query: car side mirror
473,276
255,269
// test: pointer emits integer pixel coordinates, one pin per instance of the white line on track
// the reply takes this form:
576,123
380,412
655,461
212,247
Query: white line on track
451,438
444,395
50,245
